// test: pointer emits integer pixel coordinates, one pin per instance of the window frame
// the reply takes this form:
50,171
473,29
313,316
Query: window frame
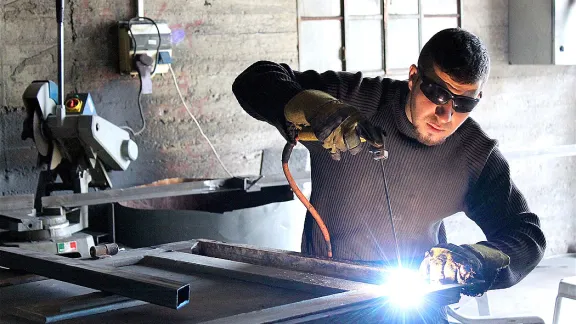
385,16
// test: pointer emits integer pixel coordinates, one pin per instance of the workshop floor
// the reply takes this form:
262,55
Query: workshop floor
535,295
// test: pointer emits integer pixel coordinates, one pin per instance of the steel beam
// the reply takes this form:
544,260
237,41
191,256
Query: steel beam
180,189
16,202
155,290
308,282
288,260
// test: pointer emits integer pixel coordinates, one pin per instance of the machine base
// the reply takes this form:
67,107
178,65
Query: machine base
76,245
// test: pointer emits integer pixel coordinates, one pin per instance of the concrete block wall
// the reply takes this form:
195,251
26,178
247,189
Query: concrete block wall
214,40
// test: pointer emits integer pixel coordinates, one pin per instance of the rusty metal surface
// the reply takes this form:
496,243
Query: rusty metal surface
288,260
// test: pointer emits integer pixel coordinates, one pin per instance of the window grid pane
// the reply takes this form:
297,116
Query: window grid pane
364,7
402,7
364,45
320,44
402,43
320,8
440,7
431,26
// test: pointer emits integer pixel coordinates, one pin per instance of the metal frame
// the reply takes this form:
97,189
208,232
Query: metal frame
152,289
344,19
341,297
172,190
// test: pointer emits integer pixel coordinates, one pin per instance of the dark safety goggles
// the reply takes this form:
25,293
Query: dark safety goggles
441,96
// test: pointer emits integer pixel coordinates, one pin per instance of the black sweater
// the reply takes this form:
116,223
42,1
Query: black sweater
426,183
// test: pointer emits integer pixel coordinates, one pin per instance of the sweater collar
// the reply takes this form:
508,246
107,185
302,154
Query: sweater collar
402,123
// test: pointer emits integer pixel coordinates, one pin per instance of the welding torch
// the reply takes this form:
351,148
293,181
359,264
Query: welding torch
380,154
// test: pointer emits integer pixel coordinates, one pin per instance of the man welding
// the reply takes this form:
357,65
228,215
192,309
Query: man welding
440,163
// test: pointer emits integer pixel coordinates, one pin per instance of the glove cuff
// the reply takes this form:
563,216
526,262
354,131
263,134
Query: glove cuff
492,260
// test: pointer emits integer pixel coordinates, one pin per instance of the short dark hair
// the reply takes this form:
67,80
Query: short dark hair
458,53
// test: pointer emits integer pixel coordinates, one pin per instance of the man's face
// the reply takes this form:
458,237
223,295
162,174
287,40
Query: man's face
435,122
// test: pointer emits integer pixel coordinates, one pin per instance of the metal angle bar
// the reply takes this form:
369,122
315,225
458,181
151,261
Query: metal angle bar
270,276
288,260
144,287
116,195
180,189
16,202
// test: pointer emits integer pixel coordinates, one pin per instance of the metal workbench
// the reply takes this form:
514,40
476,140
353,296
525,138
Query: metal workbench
225,283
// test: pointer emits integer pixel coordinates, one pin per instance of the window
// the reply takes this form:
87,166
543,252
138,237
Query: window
376,37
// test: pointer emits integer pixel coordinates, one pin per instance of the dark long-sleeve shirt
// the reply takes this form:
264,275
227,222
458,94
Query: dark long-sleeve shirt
426,183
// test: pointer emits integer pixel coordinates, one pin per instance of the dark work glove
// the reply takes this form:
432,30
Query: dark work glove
474,266
339,126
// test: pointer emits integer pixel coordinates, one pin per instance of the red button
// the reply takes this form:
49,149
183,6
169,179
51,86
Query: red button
72,103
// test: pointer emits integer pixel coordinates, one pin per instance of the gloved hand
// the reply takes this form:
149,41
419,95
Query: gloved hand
475,266
337,125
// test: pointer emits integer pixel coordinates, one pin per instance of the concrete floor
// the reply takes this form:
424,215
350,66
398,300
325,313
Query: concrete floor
535,295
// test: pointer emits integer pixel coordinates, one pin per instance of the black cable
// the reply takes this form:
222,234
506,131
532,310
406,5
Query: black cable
139,74
134,39
398,258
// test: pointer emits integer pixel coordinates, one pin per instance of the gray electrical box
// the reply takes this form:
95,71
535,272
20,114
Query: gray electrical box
542,32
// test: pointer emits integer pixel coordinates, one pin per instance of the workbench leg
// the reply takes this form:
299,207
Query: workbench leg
557,309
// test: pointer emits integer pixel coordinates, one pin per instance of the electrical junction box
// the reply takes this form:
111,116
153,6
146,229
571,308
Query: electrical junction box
144,40
542,32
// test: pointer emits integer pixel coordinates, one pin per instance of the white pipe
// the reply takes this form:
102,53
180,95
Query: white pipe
140,8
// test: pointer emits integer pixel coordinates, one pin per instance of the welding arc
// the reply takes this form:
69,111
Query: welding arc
285,158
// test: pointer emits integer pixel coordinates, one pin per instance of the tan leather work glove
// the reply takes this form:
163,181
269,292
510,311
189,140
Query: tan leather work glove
474,266
337,125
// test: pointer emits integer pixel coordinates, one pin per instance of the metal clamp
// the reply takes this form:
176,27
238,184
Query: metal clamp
380,153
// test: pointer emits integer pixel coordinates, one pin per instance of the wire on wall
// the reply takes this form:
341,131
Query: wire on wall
198,124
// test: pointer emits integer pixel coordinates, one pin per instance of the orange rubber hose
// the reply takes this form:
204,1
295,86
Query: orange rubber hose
303,199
